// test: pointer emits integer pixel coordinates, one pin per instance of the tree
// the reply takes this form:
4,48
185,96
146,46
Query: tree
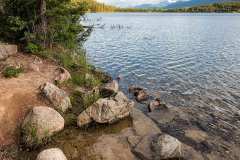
41,27
42,22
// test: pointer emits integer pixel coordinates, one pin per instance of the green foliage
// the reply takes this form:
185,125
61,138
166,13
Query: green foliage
94,6
81,79
20,22
11,71
30,139
216,7
32,48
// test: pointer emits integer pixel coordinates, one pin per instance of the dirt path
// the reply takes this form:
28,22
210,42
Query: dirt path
18,95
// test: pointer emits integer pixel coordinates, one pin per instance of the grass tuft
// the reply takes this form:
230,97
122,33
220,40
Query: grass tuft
10,72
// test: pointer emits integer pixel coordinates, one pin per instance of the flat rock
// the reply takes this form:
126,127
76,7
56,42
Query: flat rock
142,124
143,149
109,147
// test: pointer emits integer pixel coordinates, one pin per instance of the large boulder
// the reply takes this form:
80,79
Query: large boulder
41,123
109,147
109,89
107,110
56,96
62,75
51,154
7,50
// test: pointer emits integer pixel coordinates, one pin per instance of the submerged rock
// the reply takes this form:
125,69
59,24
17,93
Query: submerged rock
109,147
107,110
109,89
142,124
41,123
154,105
62,75
56,96
7,50
139,93
51,154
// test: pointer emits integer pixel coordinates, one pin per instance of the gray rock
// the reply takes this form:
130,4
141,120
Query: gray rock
56,96
62,75
41,123
167,147
107,110
51,154
7,50
109,89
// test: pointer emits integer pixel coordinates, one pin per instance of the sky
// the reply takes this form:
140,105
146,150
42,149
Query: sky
127,3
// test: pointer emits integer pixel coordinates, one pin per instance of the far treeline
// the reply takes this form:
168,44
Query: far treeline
228,7
95,6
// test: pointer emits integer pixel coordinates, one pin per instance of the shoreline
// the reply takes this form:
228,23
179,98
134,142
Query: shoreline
179,123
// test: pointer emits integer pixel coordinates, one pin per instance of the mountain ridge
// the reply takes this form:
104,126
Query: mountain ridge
183,4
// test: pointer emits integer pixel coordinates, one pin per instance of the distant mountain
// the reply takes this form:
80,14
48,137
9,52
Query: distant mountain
183,4
159,5
191,3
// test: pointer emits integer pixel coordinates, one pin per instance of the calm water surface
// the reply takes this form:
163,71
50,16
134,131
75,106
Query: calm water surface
190,59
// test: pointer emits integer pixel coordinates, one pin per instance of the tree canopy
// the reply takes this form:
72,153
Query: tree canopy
42,22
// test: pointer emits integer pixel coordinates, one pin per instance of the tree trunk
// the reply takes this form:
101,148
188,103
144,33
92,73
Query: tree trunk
42,21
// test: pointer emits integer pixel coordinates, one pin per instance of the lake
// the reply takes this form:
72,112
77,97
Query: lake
189,59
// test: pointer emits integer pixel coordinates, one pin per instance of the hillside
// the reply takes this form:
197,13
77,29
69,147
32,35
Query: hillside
94,6
192,3
183,4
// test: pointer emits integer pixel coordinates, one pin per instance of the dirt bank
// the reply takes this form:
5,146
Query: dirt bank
18,95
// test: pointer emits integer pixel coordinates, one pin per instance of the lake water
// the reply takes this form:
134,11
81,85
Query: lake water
189,59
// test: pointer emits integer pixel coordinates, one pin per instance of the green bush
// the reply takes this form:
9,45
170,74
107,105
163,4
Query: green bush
11,71
32,48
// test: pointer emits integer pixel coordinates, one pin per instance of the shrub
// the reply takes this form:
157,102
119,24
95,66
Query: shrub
11,71
32,48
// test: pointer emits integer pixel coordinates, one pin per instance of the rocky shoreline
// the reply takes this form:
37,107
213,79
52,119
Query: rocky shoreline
165,132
